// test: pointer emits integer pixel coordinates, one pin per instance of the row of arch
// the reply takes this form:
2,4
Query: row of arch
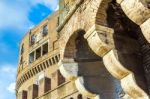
118,58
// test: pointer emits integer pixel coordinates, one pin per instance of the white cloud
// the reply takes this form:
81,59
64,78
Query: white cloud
7,68
11,87
14,14
31,26
7,81
57,8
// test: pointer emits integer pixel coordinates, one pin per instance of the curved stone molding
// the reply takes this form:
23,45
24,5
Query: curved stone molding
124,75
81,88
100,39
129,85
69,69
114,66
97,38
139,13
97,97
136,10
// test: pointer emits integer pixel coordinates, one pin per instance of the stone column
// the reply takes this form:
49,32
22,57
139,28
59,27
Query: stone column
44,85
32,91
22,95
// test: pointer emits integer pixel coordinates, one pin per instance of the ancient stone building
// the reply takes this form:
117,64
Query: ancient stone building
89,49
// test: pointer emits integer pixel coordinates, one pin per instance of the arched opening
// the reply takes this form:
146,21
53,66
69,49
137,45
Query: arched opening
96,79
129,43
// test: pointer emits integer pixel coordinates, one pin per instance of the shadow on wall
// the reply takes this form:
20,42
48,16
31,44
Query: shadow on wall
96,78
128,41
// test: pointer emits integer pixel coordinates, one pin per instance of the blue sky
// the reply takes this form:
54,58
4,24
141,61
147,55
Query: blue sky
16,18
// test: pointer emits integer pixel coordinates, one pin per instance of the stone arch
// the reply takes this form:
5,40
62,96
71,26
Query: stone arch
81,65
102,41
102,38
138,11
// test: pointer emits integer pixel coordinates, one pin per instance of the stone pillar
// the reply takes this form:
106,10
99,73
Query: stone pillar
33,91
60,78
34,55
22,95
57,79
44,85
54,80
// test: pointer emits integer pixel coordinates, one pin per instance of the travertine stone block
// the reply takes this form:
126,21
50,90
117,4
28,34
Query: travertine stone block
100,39
69,69
81,87
129,85
121,72
114,66
136,10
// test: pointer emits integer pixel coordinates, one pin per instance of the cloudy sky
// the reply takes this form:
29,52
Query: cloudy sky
16,18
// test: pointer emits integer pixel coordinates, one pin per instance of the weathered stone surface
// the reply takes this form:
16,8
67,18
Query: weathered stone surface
130,87
69,69
119,1
32,91
114,66
89,31
100,39
81,87
136,10
121,72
